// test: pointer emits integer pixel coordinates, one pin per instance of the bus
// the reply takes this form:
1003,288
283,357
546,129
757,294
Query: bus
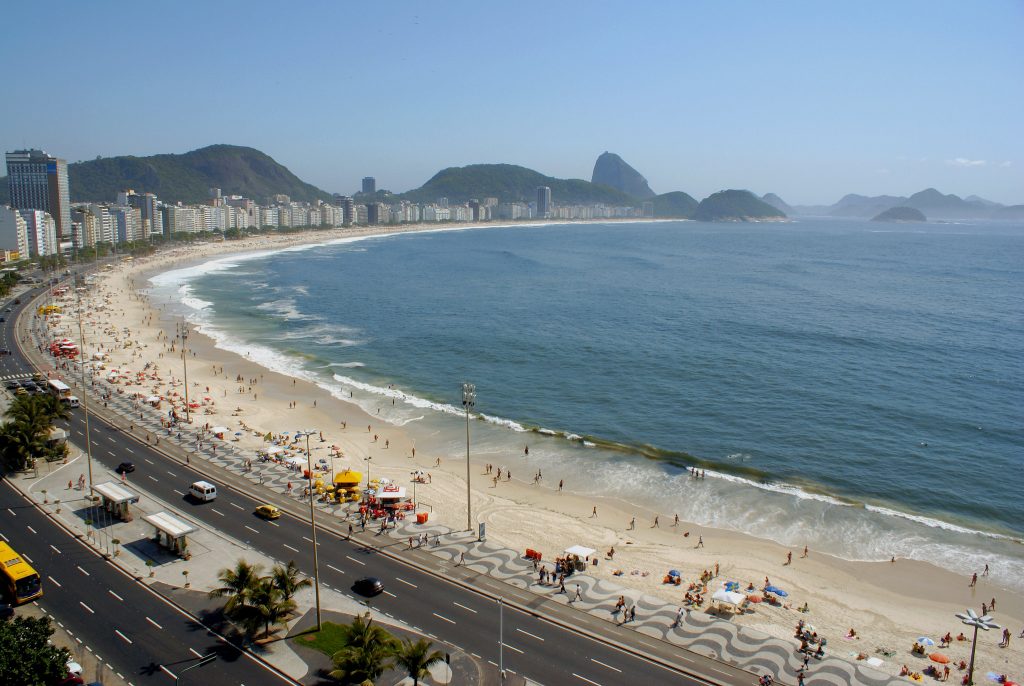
21,582
58,389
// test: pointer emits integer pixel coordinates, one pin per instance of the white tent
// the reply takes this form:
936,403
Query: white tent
580,551
729,597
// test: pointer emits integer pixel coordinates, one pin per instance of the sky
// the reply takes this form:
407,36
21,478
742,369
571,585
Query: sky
810,100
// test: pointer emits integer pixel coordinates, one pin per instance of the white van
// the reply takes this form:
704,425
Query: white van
203,490
70,401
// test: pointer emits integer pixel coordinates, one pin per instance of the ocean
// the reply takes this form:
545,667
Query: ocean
851,386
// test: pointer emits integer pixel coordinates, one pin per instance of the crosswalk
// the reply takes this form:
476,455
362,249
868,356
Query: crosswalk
16,377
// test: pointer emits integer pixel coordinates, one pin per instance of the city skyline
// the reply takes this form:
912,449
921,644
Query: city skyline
805,101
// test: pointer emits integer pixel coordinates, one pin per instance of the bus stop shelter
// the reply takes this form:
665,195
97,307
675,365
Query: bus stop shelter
115,499
171,532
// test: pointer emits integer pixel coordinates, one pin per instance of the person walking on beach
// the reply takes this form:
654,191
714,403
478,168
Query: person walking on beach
805,552
974,580
1006,639
594,513
789,557
560,484
655,525
700,541
632,523
676,521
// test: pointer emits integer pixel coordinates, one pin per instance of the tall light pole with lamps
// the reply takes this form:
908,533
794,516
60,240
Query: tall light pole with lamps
312,524
468,401
971,618
183,335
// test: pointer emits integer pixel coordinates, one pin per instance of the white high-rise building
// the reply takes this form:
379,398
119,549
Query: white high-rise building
42,232
13,231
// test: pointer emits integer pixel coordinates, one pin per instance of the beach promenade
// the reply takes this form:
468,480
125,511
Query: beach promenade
890,605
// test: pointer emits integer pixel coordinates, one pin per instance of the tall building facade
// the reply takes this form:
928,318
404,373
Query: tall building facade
39,181
369,185
543,202
13,232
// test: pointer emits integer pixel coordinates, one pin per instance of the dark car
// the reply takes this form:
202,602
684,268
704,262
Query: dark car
4,351
125,468
368,585
6,611
11,385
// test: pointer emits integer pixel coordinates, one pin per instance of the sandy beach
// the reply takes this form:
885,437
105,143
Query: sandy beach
889,604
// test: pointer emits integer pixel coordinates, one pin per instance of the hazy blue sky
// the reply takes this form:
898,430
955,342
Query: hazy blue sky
810,100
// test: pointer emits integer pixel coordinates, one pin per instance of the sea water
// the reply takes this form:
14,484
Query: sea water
852,386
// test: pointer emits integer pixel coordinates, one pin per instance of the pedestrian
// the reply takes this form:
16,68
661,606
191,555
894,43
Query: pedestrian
985,571
700,541
655,525
789,557
579,593
462,559
974,580
992,605
349,531
676,522
561,583
632,523
560,484
594,513
1006,639
680,613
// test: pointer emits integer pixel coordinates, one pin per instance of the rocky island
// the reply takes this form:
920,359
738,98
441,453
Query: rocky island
900,214
736,206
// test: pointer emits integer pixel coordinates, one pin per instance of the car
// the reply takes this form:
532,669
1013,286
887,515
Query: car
17,301
4,351
268,512
6,611
12,385
20,391
368,585
3,319
125,468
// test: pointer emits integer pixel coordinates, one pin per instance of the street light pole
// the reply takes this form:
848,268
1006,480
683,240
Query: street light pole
501,638
183,334
468,401
971,618
85,393
312,524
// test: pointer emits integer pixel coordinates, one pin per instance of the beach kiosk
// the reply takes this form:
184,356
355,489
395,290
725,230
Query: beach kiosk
728,601
171,532
115,499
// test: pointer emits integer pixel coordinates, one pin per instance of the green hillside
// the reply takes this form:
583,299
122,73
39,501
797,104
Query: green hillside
733,205
901,214
510,183
674,205
188,177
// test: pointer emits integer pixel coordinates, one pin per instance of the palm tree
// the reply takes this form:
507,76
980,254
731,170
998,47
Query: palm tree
32,411
368,651
286,579
268,606
19,444
239,584
417,658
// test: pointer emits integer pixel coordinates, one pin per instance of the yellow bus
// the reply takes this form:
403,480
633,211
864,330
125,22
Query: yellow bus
21,582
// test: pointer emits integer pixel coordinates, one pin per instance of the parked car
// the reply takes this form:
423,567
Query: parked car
125,468
12,385
268,512
368,585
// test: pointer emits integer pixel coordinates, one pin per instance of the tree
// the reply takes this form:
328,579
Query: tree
267,607
26,655
417,658
286,579
368,651
239,584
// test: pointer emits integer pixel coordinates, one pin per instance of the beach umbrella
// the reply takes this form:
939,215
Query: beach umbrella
778,591
673,572
939,657
925,641
755,598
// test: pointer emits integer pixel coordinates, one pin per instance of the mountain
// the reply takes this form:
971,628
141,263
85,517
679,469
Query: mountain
935,204
854,205
510,183
733,205
982,201
674,205
187,177
777,202
1009,213
611,170
900,214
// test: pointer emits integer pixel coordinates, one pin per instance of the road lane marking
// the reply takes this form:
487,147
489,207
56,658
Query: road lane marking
31,529
356,561
172,474
132,452
339,571
111,453
406,582
148,460
216,511
178,492
54,581
466,608
154,623
91,611
450,621
530,635
585,679
127,640
274,523
512,648
598,662
111,439
55,548
290,548
251,529
115,595
309,540
152,477
236,505
13,513
28,558
82,570
390,594
169,673
195,652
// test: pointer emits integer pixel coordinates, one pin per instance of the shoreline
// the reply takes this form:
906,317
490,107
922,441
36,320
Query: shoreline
841,593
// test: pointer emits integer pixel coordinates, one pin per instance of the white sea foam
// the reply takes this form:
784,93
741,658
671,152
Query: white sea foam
349,365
